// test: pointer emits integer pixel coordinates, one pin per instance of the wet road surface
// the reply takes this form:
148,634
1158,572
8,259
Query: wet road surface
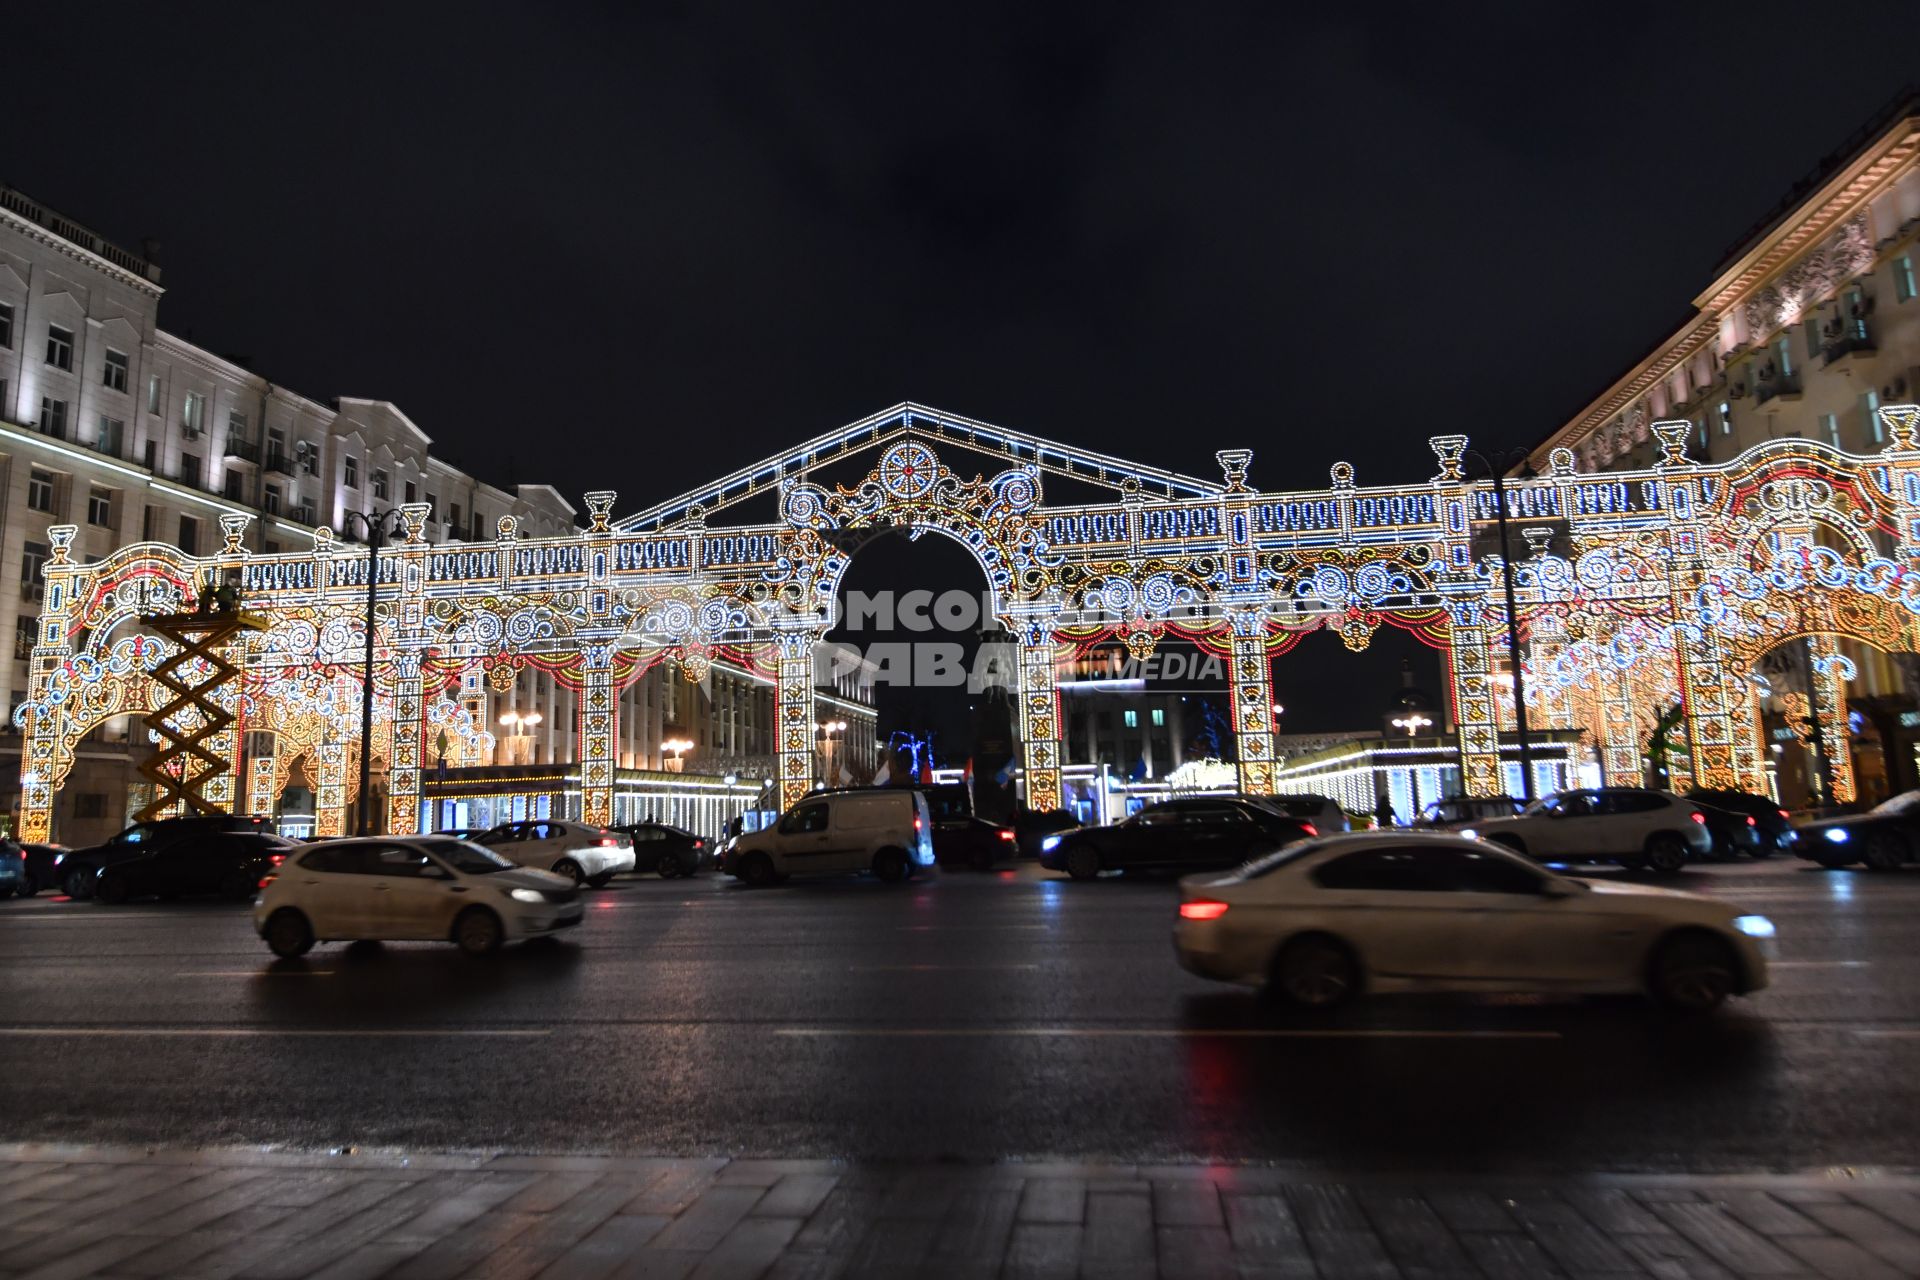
970,1018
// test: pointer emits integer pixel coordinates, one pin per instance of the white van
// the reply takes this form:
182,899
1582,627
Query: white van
885,830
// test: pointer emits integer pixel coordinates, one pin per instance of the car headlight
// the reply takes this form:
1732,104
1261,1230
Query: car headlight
1836,834
1049,844
1754,926
1469,833
526,895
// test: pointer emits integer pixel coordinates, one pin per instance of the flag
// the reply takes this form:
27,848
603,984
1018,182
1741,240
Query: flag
1005,775
1139,771
885,771
926,768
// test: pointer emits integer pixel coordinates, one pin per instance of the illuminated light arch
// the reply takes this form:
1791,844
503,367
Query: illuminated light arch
1617,557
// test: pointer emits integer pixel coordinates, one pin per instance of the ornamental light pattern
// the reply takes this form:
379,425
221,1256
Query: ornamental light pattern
1631,588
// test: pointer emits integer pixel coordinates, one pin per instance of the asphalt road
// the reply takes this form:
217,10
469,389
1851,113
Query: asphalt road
970,1018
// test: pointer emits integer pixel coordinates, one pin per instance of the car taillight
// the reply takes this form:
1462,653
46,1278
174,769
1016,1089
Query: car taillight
1698,817
1785,816
1310,829
699,844
608,842
276,858
916,822
1751,822
1006,835
265,880
1203,909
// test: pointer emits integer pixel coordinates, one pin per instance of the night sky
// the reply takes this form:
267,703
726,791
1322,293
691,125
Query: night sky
634,246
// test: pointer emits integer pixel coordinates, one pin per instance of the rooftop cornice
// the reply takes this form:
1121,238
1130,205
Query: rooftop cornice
60,244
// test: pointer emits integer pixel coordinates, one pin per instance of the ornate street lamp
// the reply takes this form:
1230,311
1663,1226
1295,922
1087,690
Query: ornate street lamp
376,526
521,724
678,747
1415,724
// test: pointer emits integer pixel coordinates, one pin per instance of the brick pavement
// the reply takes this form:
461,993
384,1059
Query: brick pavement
77,1211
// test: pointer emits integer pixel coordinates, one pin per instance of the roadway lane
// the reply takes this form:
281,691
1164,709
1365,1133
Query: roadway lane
969,1018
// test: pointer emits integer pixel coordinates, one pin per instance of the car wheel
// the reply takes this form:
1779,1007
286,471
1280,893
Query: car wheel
78,885
1833,861
1694,973
6,891
890,865
1315,972
289,934
571,870
668,866
238,887
28,887
478,931
1883,853
757,870
1764,849
112,890
1083,862
600,881
1666,854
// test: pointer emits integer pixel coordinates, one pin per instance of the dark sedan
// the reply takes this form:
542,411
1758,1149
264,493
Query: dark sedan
1032,826
1735,835
972,842
1884,837
43,867
1190,834
79,869
225,864
1772,827
666,851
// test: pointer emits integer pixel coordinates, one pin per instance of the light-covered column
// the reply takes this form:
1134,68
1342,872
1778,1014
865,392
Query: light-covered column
1252,697
404,733
1835,740
1620,750
263,792
1039,717
330,782
793,713
1470,677
598,721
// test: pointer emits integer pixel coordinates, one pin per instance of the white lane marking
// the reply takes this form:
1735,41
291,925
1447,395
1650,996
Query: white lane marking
1819,964
938,968
243,1032
1153,1033
108,917
1888,1033
255,973
964,928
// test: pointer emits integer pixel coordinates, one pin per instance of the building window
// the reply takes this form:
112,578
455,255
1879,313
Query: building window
26,631
193,413
152,455
1160,715
1783,352
100,507
433,504
110,436
1133,719
153,393
190,535
1903,277
353,472
59,347
410,491
1813,336
1870,407
1726,418
1830,428
236,425
271,502
36,555
147,524
113,374
53,417
309,457
90,804
380,484
190,472
6,326
234,483
453,519
270,547
40,490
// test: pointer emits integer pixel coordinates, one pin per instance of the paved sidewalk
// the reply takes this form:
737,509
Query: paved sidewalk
78,1211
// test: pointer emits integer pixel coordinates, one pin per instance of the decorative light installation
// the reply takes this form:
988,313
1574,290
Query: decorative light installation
1672,578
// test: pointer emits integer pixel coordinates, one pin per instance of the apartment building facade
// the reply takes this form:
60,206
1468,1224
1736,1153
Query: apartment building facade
1809,327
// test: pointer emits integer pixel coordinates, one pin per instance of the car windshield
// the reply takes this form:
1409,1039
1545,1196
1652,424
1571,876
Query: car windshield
1905,802
469,859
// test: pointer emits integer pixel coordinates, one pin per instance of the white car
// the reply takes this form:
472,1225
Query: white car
1633,826
423,889
1322,921
885,830
583,854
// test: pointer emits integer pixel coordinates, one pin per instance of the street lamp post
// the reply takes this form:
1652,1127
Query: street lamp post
1496,465
679,747
521,724
827,729
1414,723
376,526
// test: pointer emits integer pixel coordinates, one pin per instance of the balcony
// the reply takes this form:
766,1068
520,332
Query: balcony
279,463
1846,339
243,449
1784,389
